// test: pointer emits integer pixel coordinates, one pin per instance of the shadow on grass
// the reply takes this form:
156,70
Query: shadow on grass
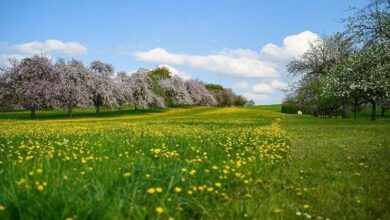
49,114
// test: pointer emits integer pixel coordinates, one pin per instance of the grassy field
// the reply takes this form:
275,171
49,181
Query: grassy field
194,162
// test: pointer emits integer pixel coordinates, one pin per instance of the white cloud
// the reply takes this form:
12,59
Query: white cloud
245,53
160,55
262,88
244,63
36,47
243,85
260,92
276,84
218,63
255,97
293,46
176,72
4,58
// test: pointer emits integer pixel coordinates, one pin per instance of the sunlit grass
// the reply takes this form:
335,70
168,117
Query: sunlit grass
192,162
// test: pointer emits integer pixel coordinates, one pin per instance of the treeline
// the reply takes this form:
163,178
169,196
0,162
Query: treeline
347,71
35,83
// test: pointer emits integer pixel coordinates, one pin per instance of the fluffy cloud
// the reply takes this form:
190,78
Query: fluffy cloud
255,96
262,88
241,85
244,63
20,51
259,92
36,47
176,72
293,46
276,84
233,65
4,58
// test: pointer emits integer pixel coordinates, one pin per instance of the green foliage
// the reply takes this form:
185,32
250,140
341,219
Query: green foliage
160,73
156,75
211,86
347,66
289,108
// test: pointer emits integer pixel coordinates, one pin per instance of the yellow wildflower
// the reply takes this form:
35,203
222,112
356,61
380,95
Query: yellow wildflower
39,170
159,210
151,190
127,174
276,210
40,187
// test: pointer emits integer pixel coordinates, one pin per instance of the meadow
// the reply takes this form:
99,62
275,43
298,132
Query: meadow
193,163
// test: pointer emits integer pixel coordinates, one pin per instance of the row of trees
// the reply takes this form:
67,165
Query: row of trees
36,82
345,71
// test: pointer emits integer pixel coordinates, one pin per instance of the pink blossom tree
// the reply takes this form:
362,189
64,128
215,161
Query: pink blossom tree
199,94
35,83
100,85
73,89
176,91
122,89
141,92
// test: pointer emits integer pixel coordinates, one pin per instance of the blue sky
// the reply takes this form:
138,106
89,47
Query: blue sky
242,45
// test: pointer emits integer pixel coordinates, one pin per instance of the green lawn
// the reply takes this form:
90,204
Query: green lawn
191,163
343,164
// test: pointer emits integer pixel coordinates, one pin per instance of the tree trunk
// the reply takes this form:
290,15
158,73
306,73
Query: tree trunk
356,108
32,114
373,112
97,109
345,108
383,112
70,112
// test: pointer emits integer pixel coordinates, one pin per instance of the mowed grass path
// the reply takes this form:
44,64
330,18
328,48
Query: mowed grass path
193,163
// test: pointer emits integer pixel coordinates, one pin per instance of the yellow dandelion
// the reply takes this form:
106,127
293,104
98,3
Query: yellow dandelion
40,187
21,181
151,190
2,208
159,190
177,189
127,174
159,210
306,206
276,210
39,170
218,184
192,172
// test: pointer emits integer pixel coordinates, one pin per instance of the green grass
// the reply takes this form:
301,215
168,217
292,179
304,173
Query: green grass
269,165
